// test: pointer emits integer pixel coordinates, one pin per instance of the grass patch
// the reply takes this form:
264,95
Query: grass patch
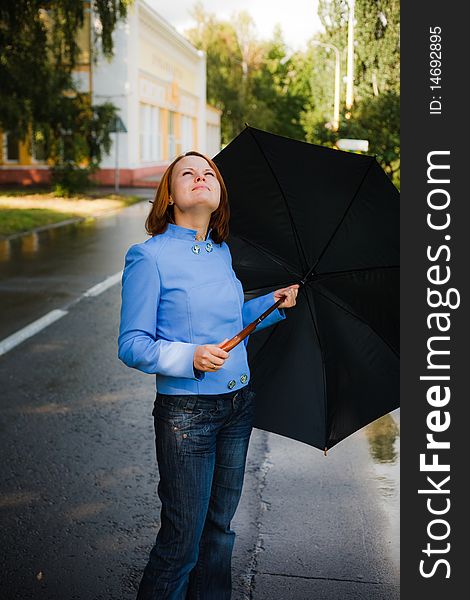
23,210
24,191
14,220
42,193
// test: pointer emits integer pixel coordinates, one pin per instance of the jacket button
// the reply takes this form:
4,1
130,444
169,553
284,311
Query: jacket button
244,378
196,249
208,247
231,384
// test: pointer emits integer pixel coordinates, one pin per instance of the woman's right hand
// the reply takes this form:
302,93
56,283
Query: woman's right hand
210,357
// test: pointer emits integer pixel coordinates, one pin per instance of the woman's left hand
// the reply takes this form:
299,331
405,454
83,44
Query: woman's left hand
290,293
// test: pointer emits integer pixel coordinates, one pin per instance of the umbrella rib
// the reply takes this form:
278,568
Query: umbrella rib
325,444
270,256
332,274
300,249
353,314
311,270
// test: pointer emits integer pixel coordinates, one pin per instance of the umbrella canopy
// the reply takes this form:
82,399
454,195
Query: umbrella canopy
329,219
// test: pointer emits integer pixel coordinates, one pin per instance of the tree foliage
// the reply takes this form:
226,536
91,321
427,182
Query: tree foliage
375,112
320,62
378,119
377,49
251,81
282,88
224,67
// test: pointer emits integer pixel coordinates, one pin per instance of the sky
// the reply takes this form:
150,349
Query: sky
298,18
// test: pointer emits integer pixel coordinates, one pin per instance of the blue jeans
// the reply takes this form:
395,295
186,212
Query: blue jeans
202,443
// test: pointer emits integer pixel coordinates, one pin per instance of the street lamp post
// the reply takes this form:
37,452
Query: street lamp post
116,166
117,128
350,74
335,121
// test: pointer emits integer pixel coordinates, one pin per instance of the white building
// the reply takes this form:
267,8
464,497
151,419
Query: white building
158,80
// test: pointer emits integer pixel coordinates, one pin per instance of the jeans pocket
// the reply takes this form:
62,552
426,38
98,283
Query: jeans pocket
186,429
176,413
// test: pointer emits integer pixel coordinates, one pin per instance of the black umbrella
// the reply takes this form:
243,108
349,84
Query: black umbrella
327,219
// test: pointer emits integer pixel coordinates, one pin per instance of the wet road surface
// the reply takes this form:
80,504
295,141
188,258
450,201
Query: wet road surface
78,494
47,270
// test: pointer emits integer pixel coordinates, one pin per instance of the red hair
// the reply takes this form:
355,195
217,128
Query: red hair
162,212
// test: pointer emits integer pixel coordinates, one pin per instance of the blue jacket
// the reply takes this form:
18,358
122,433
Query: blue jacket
178,293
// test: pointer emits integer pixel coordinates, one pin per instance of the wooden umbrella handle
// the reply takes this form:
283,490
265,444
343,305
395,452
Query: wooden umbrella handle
241,335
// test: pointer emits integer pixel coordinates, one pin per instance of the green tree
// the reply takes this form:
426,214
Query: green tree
375,112
320,62
377,49
225,76
378,120
39,99
251,81
280,89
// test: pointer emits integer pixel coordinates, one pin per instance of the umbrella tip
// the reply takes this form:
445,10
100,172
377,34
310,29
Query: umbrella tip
246,124
325,451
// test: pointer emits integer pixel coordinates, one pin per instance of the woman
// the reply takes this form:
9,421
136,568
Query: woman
180,298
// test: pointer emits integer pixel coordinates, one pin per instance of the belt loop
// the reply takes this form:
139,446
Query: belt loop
191,402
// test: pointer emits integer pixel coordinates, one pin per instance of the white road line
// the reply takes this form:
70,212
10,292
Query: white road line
40,324
30,330
97,289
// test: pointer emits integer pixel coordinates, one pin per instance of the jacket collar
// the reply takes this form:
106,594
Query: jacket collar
183,233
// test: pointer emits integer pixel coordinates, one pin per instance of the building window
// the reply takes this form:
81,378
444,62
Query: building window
83,39
155,137
38,147
150,137
11,149
143,132
171,135
187,134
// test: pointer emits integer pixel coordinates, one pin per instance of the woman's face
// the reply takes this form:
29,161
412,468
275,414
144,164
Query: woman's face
194,185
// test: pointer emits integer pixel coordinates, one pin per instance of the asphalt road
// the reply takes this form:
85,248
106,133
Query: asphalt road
78,489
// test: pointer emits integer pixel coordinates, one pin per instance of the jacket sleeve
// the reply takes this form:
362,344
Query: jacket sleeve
138,346
256,307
